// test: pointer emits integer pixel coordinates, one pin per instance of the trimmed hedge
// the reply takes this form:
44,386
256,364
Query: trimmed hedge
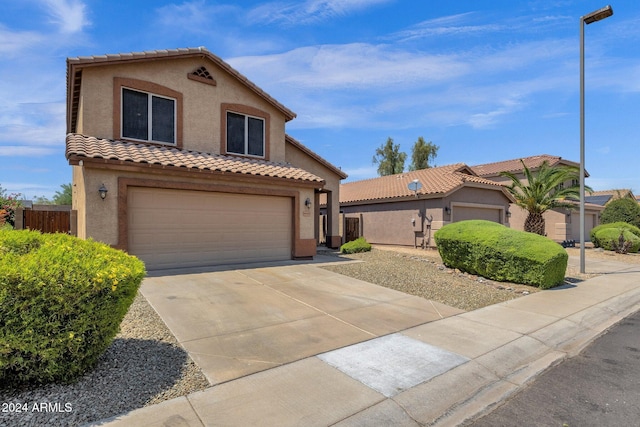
621,210
62,300
358,245
603,235
500,253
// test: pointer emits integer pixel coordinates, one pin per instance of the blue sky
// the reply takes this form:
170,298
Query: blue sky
484,80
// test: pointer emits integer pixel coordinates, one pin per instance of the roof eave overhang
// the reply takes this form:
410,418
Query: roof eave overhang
194,173
394,199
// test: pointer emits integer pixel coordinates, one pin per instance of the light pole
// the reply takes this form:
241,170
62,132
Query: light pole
587,19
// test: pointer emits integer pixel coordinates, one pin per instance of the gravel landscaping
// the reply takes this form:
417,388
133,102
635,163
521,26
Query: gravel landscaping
421,272
144,365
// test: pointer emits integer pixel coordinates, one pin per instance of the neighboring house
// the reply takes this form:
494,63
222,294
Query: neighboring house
561,224
604,197
179,159
386,211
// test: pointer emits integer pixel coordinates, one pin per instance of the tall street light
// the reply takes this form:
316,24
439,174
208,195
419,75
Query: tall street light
590,18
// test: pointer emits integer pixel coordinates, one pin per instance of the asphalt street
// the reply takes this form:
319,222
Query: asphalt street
599,387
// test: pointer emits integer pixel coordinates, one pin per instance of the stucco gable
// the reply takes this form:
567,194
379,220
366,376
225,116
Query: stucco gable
290,141
75,66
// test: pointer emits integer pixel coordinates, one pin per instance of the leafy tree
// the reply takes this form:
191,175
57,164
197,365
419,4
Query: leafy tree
63,197
8,205
543,191
389,158
41,200
621,210
422,154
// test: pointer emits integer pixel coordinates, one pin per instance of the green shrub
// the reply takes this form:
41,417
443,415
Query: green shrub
358,245
618,226
500,253
621,210
607,238
61,303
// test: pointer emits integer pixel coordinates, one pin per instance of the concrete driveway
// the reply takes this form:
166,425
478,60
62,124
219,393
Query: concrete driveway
240,321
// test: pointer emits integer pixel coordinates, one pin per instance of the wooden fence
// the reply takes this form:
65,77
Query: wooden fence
47,219
352,229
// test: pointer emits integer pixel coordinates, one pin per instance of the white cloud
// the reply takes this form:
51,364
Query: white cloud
17,42
27,151
196,16
349,66
381,86
446,26
309,11
69,15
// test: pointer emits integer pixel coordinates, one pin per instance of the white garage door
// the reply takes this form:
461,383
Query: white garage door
177,228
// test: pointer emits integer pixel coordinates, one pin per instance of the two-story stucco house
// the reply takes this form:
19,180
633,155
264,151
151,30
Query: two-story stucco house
179,159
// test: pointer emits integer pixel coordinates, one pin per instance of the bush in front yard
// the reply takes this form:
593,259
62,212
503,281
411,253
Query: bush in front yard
61,303
602,239
621,210
358,245
500,253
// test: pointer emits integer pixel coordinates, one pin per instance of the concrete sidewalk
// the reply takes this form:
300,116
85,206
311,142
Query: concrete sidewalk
443,372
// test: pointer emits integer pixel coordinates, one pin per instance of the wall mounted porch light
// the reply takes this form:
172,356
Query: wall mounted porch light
103,191
447,210
307,203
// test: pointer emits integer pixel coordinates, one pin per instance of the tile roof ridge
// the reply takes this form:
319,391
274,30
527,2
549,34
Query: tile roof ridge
548,156
443,169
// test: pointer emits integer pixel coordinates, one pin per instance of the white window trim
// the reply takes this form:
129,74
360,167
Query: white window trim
150,118
246,134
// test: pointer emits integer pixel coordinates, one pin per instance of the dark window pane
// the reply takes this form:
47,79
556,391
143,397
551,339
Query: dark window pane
162,117
256,137
235,133
135,114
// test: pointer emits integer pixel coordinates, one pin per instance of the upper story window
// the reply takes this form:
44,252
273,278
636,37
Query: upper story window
147,112
148,117
245,134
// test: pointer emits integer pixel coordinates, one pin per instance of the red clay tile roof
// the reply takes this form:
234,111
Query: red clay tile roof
435,181
80,147
515,166
75,65
315,156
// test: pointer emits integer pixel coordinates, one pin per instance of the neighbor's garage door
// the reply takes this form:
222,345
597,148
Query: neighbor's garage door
176,228
463,213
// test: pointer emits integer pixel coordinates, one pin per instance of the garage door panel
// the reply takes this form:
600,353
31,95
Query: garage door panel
174,228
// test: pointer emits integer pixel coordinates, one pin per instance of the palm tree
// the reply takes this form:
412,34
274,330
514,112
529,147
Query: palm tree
543,191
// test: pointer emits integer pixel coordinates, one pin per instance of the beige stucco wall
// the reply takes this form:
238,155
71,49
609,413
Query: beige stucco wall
201,102
398,222
78,200
307,215
560,224
300,159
